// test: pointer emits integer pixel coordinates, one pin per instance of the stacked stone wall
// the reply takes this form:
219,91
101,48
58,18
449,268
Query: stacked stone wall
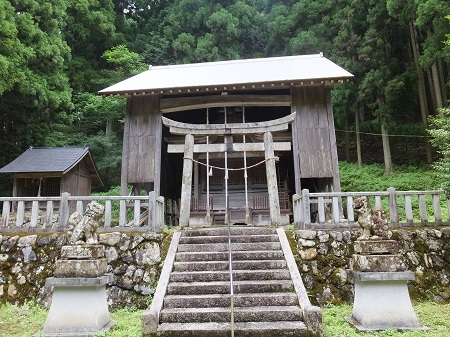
324,258
135,260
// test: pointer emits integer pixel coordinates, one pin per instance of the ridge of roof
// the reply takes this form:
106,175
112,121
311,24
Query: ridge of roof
238,61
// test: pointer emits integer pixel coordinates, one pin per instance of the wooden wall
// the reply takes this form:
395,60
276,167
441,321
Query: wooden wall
141,157
77,181
313,138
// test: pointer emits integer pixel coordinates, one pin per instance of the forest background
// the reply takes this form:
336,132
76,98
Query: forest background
56,54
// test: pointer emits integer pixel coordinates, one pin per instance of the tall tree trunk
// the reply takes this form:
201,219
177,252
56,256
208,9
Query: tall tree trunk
436,82
442,81
437,86
388,168
420,86
432,92
358,140
347,141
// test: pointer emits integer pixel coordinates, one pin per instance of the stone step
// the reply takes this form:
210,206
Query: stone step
223,256
223,314
223,247
241,329
223,231
238,275
223,287
234,239
223,300
223,265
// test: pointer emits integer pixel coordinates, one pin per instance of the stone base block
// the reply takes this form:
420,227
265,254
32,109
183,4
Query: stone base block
376,247
379,263
82,252
80,268
78,311
382,302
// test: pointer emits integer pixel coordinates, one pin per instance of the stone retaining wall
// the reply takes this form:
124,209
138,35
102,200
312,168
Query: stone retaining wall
324,260
135,260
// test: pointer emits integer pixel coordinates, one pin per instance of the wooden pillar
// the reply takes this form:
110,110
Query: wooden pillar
333,143
186,184
125,157
272,186
296,106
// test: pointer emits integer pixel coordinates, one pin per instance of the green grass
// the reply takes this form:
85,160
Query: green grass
27,320
434,316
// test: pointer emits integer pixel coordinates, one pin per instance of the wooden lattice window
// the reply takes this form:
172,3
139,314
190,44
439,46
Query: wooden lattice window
51,187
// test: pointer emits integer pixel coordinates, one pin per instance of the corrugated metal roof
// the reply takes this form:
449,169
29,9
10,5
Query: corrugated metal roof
40,160
275,70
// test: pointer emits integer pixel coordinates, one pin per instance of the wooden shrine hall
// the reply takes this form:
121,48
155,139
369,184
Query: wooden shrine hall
232,140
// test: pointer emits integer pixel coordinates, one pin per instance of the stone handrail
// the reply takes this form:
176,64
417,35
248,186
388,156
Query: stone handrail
404,208
47,214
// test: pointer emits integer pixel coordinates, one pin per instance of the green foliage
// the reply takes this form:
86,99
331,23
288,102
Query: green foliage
372,178
440,131
33,85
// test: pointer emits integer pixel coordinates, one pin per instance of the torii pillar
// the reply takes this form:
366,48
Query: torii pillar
272,185
186,184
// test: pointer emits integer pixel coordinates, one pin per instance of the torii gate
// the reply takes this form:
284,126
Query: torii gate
228,130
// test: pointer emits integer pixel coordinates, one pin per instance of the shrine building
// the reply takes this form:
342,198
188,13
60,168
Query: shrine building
231,140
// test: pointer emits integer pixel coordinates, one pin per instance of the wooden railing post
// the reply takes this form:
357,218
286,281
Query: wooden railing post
64,210
437,209
49,215
5,213
151,211
296,209
161,213
393,207
306,208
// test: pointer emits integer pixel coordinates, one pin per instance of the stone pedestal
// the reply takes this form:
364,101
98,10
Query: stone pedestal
79,304
381,291
382,302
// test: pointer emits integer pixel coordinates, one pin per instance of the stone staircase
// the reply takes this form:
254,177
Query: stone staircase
196,298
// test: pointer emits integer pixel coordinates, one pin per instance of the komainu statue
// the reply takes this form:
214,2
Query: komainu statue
83,228
372,222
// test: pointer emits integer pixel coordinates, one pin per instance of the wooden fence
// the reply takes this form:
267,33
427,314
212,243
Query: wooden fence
47,214
403,208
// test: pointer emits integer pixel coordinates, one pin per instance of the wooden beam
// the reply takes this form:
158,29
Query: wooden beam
179,128
237,147
203,102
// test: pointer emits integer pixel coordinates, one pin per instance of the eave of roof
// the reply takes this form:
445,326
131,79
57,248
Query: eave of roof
274,72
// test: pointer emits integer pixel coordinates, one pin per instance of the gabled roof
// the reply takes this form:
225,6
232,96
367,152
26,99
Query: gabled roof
50,160
238,74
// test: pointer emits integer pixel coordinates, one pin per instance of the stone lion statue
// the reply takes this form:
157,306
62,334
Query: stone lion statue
372,222
83,228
